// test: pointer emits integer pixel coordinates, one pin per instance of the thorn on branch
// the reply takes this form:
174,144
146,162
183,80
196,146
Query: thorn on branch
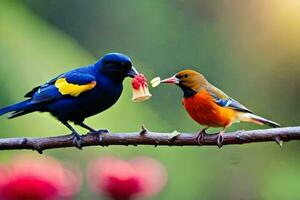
39,151
38,148
174,135
278,141
156,143
144,130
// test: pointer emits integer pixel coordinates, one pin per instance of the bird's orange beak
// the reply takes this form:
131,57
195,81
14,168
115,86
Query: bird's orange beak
172,80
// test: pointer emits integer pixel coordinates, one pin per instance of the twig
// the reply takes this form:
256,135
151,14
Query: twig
152,138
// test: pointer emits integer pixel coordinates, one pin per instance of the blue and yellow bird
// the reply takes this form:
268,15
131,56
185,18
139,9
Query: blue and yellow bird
211,107
78,94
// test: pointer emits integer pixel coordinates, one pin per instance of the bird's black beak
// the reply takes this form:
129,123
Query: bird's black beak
132,72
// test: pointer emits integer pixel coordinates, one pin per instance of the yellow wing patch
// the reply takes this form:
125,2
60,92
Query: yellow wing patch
74,90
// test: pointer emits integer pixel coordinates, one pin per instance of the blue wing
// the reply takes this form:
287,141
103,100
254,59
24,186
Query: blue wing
225,101
34,90
71,84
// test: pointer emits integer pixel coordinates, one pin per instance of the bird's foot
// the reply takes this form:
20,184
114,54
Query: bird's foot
200,136
100,134
77,139
220,139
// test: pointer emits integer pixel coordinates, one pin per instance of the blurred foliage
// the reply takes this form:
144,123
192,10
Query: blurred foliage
250,49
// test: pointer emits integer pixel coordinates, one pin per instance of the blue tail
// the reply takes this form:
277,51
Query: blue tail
19,109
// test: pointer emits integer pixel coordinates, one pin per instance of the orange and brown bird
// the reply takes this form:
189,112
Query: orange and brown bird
211,107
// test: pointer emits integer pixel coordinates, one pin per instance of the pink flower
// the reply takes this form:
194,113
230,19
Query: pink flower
43,178
125,180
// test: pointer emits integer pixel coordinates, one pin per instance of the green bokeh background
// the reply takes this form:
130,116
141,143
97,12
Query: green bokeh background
250,49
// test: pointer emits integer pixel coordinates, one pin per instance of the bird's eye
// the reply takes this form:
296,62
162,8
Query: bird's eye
108,62
186,76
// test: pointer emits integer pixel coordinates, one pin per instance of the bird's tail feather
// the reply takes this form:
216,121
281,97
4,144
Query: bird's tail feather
249,117
19,113
21,108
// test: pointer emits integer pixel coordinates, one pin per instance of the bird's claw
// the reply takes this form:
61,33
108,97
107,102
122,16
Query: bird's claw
200,136
77,140
220,140
100,134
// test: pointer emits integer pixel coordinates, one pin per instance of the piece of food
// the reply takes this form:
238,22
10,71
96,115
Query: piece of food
155,82
140,88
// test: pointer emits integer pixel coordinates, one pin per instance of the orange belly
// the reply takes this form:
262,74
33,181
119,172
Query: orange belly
203,109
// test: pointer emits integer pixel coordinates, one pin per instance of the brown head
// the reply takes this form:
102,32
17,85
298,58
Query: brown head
188,80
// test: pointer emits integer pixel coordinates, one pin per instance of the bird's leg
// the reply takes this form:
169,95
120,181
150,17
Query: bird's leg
220,139
76,136
93,131
200,135
83,125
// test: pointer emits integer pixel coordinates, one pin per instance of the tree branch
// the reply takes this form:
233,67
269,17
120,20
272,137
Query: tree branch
145,137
